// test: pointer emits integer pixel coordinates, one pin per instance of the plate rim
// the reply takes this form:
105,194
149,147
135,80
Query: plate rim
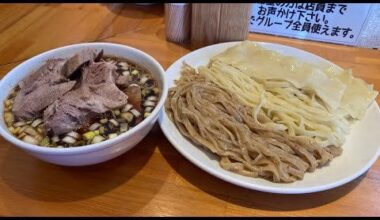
255,186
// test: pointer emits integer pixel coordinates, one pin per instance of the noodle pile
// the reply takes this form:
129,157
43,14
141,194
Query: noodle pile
280,106
265,114
214,118
289,94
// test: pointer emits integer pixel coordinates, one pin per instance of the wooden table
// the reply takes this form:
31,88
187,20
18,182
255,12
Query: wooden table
152,179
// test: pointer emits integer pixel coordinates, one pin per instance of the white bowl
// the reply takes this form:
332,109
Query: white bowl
94,153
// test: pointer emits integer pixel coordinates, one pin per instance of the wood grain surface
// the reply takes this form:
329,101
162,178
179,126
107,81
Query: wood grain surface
205,21
178,22
152,179
213,23
234,22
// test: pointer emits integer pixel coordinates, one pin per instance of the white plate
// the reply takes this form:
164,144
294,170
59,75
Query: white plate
360,151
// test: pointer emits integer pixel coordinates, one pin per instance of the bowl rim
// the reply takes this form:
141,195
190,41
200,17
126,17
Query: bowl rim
91,147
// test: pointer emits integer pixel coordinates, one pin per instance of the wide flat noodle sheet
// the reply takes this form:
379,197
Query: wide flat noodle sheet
339,91
357,96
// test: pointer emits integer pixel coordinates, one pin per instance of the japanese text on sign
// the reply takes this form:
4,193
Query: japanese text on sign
322,21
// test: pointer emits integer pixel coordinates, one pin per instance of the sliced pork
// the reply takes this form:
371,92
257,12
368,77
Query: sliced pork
40,89
48,83
78,60
96,94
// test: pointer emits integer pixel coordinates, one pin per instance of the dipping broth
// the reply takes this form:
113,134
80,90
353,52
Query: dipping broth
101,127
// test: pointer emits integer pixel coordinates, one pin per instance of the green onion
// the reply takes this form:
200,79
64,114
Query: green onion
89,135
97,139
9,118
36,122
127,116
112,135
94,126
30,139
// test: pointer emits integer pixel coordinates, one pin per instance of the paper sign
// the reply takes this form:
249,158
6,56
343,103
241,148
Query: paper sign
330,22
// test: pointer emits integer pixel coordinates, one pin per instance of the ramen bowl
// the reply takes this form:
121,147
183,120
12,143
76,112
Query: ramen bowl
93,153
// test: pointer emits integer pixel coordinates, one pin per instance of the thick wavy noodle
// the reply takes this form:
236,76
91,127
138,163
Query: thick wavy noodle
223,123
